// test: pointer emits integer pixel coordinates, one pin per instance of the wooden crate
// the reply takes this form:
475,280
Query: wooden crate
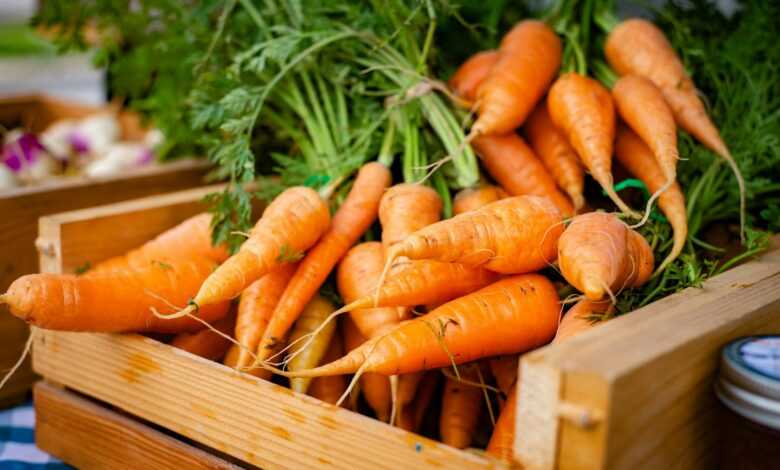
21,208
633,393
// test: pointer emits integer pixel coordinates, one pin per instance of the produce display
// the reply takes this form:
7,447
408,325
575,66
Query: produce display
90,146
422,233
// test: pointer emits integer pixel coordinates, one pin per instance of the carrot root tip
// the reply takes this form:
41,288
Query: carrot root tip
186,311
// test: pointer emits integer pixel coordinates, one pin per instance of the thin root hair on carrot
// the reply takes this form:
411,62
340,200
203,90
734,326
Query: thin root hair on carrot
18,364
486,396
352,383
184,312
470,383
309,337
440,162
650,202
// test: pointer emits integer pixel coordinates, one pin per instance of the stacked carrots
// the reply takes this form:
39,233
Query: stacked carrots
467,294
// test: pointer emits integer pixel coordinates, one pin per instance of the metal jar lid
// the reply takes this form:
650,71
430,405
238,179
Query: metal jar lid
749,381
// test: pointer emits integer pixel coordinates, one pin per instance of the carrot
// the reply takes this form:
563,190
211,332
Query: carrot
529,58
114,301
556,154
409,282
412,416
641,104
582,317
189,239
406,208
291,224
314,314
639,47
206,343
583,110
376,387
255,308
329,389
504,370
407,387
509,316
598,254
471,73
470,199
502,441
353,218
513,164
638,159
460,408
231,360
513,235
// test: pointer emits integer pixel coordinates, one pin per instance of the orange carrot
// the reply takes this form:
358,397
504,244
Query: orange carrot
504,370
409,282
513,164
502,441
114,301
329,389
470,75
598,254
255,308
231,360
639,47
407,388
406,208
641,104
460,408
291,224
191,238
529,58
582,317
471,199
206,343
375,387
638,159
309,355
513,235
583,110
412,416
556,154
353,218
509,316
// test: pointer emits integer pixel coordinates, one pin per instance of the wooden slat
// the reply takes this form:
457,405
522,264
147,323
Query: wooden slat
21,208
87,435
253,420
649,376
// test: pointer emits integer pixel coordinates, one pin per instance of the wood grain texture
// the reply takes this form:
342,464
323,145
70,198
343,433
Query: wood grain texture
649,375
87,435
21,208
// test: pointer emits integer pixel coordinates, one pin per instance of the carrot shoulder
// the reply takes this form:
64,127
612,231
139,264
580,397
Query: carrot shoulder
471,73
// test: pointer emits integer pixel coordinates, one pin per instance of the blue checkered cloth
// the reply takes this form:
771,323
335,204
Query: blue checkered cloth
17,442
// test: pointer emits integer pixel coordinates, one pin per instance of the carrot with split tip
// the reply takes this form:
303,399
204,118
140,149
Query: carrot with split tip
191,238
509,316
461,405
206,343
466,80
406,208
118,301
356,214
314,314
255,307
639,47
556,154
471,199
638,159
330,389
529,58
598,254
512,163
375,387
583,110
513,235
291,224
641,104
411,416
582,317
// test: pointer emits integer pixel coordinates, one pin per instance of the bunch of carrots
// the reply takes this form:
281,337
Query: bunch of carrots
434,306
